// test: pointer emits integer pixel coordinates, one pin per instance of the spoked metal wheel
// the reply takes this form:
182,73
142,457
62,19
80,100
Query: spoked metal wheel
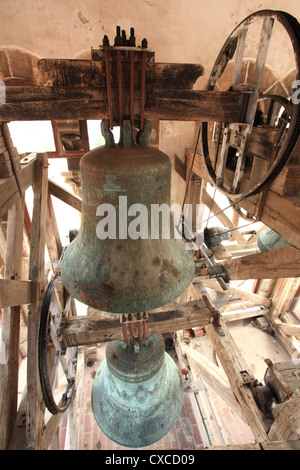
262,59
57,365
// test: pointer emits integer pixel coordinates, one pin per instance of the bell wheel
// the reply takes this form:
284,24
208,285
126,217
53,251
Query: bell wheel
57,365
261,58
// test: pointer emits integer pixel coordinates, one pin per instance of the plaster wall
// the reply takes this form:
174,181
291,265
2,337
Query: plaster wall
189,31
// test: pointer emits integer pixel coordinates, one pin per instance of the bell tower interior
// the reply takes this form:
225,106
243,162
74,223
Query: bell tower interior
149,227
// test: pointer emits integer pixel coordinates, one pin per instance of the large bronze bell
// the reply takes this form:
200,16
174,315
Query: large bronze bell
125,274
137,395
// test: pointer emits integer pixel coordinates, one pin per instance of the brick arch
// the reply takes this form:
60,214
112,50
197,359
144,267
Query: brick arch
19,66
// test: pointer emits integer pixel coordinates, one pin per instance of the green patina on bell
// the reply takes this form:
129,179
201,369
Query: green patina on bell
137,395
125,275
270,240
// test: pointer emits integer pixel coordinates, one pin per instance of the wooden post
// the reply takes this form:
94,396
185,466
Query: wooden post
233,365
35,406
279,263
9,357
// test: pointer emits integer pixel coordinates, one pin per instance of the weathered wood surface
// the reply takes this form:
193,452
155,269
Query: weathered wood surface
287,423
86,330
11,326
14,292
75,73
64,195
282,214
233,363
278,263
35,406
214,376
51,103
9,191
274,445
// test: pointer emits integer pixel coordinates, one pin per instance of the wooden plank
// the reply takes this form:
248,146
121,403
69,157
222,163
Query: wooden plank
278,263
65,196
231,316
239,293
180,168
9,192
83,330
275,445
287,329
2,246
35,405
9,361
14,292
282,214
281,445
53,240
233,364
194,105
236,447
287,424
51,103
91,73
214,376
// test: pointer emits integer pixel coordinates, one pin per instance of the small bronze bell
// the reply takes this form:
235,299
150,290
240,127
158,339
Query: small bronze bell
123,273
137,395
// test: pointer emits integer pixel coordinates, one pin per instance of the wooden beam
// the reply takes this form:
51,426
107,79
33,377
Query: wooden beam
14,292
288,329
56,103
278,263
35,405
275,445
233,364
90,74
238,293
214,376
9,363
287,423
65,196
280,213
194,105
53,240
251,313
9,191
172,317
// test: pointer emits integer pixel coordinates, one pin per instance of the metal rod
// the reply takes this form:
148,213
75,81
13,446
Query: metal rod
120,87
125,333
143,79
108,86
132,88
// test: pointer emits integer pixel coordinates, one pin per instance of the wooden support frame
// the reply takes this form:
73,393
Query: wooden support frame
9,191
11,326
281,213
162,103
14,292
278,263
35,406
77,331
233,364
